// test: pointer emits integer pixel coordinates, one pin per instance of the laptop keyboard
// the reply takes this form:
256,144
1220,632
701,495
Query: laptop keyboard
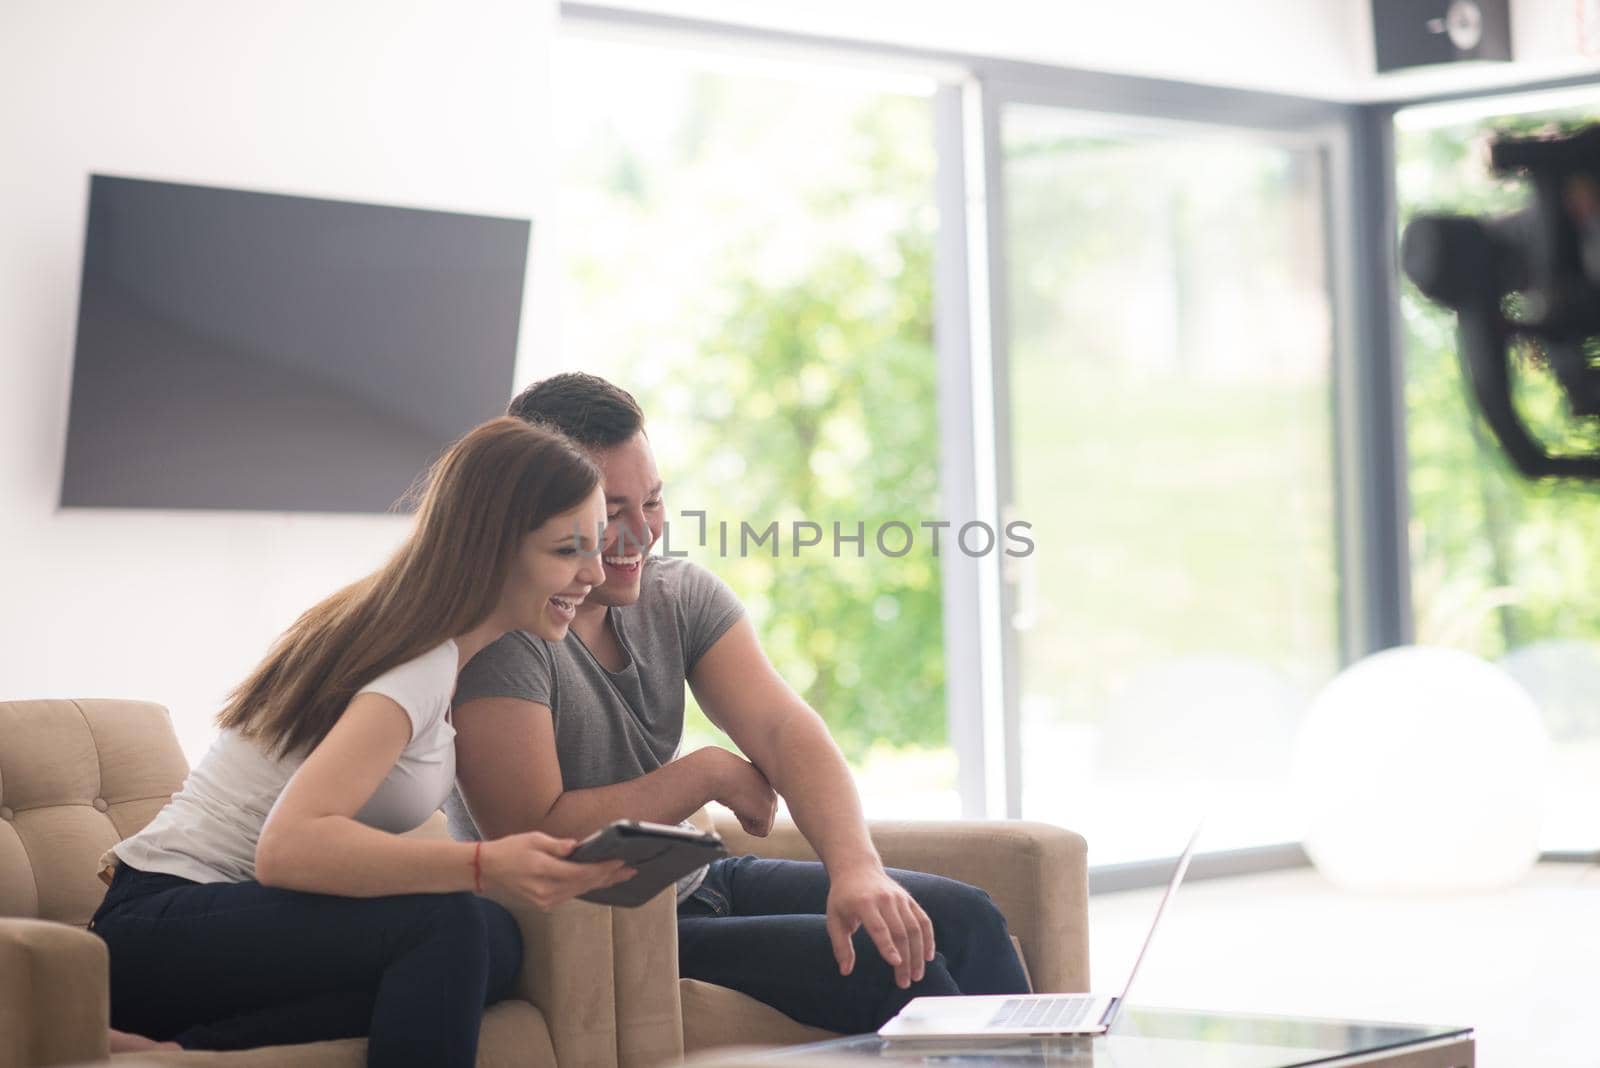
1043,1013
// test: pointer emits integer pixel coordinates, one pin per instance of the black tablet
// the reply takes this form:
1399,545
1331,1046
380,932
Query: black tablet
660,852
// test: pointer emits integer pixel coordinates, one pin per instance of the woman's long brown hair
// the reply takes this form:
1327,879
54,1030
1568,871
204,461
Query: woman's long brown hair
478,501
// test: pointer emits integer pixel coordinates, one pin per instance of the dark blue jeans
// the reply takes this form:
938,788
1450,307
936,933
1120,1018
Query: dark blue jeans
759,926
239,965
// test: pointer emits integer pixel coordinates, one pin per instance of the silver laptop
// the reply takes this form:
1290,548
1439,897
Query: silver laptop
1020,1015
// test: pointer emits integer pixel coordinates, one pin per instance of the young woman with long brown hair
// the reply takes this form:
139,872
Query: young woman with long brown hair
274,900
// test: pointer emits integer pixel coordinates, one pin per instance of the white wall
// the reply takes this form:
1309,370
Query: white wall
429,104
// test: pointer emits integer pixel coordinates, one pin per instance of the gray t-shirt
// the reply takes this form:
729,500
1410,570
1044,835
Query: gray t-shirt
610,726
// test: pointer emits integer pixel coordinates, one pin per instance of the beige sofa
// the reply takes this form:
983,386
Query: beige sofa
599,986
78,776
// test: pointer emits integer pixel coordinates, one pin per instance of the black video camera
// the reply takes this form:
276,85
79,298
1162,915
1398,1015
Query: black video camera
1533,276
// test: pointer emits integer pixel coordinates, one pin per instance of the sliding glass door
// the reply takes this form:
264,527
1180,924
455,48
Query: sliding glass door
1167,398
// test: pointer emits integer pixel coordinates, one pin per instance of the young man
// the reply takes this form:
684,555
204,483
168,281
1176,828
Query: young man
565,737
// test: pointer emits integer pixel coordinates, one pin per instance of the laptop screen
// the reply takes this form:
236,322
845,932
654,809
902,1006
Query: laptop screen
1166,899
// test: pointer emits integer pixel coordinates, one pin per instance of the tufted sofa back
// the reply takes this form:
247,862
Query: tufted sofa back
76,777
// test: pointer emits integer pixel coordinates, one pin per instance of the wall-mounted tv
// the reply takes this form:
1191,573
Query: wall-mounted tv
243,350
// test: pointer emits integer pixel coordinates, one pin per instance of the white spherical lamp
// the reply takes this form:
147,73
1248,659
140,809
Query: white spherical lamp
1421,769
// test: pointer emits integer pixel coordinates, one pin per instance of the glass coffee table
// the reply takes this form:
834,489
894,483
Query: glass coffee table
1159,1038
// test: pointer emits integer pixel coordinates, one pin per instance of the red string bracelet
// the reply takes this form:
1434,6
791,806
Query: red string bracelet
477,867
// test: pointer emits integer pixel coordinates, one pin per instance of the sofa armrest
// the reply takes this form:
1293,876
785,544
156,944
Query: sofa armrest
1037,873
567,973
649,1007
54,1000
606,980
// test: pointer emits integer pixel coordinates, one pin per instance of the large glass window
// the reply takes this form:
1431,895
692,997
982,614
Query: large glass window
747,246
1172,444
1500,566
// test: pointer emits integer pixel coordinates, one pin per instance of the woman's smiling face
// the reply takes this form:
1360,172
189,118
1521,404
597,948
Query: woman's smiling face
554,570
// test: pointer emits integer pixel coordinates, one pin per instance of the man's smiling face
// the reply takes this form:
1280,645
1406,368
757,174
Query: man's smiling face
634,517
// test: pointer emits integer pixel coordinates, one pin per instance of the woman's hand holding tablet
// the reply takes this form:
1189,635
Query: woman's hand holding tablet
660,853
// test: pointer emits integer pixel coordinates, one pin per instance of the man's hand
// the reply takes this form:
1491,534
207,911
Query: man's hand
739,785
865,896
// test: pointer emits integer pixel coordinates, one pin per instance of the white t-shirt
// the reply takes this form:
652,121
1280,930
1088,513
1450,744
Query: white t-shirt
208,832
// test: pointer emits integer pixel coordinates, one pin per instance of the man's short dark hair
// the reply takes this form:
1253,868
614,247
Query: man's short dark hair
586,408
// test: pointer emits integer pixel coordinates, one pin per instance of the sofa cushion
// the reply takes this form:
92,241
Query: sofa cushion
76,777
714,1016
513,1036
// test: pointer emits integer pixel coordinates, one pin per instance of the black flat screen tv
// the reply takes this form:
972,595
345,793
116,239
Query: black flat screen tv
242,350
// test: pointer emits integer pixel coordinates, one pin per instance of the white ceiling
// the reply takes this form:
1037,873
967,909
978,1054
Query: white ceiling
1320,48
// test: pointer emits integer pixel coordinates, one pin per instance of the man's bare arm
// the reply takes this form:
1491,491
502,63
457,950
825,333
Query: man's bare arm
510,777
743,694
